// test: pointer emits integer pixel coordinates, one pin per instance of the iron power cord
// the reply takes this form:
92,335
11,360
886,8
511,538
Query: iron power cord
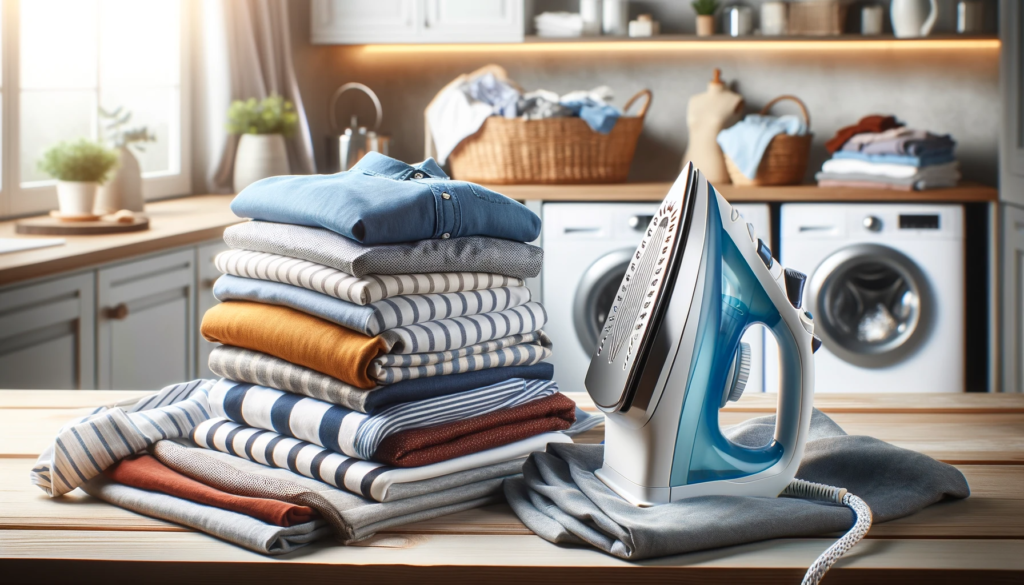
808,490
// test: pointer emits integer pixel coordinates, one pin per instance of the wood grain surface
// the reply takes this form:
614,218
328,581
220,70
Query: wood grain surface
737,194
980,539
173,223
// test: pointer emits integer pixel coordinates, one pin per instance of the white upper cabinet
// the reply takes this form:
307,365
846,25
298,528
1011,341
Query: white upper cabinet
363,22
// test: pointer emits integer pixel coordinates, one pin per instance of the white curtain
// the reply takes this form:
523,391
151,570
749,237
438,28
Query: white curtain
243,50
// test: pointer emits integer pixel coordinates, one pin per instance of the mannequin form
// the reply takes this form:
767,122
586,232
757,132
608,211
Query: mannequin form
706,115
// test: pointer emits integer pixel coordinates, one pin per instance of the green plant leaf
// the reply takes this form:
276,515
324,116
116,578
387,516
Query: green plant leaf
81,160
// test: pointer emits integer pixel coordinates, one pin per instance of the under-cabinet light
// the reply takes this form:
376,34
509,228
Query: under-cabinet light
688,46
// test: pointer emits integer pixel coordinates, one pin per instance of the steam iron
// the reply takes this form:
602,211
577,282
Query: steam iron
669,356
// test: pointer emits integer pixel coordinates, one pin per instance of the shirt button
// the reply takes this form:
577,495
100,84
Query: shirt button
445,236
418,176
445,196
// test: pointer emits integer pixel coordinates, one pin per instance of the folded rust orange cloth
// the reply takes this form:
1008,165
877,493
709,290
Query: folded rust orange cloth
295,337
428,445
147,473
874,123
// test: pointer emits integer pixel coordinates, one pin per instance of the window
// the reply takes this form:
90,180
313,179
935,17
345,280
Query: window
64,60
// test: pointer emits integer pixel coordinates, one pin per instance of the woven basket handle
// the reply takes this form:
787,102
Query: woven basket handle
803,108
647,103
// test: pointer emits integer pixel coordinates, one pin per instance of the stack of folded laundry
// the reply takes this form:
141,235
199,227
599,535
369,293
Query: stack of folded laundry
879,152
382,363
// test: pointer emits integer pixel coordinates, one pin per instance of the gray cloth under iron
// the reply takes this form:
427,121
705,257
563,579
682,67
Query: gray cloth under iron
559,497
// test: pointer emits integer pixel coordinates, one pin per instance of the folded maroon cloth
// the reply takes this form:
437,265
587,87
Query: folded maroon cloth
147,473
428,445
874,123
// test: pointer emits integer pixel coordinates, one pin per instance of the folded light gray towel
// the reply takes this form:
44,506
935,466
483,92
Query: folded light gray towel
560,498
469,254
240,529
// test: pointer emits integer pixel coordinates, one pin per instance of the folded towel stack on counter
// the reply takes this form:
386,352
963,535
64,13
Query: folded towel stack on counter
381,363
878,152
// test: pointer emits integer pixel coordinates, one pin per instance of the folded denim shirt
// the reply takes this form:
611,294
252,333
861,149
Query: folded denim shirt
385,201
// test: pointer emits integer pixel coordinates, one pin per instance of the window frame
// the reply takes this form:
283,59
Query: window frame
16,200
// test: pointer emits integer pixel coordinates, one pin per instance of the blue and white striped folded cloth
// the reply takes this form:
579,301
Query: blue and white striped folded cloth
86,446
366,478
377,317
354,433
459,332
517,350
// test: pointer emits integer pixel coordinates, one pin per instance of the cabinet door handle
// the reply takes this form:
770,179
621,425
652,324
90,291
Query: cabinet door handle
118,311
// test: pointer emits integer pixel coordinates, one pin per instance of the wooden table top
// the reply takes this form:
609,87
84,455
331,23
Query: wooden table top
977,539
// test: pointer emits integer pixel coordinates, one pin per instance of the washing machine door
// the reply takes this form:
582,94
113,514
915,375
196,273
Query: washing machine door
595,293
872,305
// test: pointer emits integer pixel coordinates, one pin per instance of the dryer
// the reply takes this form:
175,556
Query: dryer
587,247
886,288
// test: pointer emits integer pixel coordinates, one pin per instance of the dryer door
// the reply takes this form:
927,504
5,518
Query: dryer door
595,294
872,305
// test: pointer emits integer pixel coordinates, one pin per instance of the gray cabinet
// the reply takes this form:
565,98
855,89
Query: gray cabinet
1011,195
145,322
47,334
359,22
206,275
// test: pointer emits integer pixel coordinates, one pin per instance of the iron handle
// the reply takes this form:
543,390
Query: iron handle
118,311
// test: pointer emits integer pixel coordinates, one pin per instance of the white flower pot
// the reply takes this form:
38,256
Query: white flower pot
124,189
76,197
259,156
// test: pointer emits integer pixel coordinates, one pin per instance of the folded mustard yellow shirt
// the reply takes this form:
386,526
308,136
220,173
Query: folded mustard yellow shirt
295,337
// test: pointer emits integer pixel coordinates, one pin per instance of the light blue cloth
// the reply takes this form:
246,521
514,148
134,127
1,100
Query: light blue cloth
600,116
900,159
746,141
497,93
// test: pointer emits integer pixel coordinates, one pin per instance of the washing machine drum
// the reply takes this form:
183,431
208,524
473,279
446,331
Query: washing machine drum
595,293
872,305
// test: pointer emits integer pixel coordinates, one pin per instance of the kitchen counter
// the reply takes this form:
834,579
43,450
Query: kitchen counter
980,539
173,223
190,220
736,194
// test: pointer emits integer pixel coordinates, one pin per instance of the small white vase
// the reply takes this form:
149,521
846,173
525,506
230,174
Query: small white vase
259,156
124,188
76,197
913,18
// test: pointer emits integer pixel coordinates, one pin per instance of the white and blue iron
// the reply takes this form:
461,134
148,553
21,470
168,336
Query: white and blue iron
669,356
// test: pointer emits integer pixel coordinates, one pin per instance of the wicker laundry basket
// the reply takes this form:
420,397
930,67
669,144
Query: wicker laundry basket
819,18
549,151
785,160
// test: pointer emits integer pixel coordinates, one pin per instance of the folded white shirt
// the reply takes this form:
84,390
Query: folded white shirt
849,165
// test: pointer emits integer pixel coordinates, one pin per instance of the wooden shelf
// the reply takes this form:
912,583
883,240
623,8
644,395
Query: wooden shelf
724,38
786,194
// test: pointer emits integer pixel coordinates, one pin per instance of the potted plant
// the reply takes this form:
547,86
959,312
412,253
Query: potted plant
263,126
705,10
79,168
124,189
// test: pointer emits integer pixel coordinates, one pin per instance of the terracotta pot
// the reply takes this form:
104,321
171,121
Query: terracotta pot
76,197
124,189
259,156
705,25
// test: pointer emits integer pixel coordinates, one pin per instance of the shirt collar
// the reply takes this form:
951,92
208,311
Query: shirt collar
375,163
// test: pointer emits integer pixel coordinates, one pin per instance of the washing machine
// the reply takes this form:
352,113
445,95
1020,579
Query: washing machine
587,247
886,288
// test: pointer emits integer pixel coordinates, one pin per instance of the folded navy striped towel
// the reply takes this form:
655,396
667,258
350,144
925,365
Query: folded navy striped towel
356,434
